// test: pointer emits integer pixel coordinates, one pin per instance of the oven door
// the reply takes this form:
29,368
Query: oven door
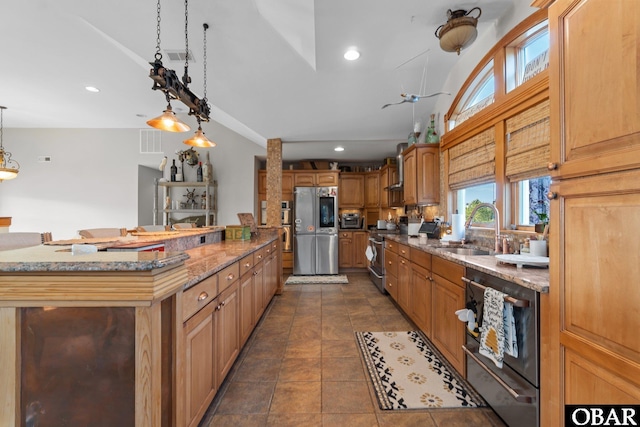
512,397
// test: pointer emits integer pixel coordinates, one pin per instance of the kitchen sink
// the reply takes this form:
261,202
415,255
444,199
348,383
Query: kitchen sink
466,251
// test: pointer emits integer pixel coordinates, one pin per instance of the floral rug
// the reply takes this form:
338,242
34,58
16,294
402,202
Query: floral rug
409,373
317,280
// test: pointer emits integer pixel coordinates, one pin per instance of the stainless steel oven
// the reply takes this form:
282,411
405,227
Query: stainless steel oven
513,391
376,265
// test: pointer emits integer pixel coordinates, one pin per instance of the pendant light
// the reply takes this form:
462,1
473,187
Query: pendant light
8,168
168,120
459,31
199,139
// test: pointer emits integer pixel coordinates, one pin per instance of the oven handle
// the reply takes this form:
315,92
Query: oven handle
517,396
376,242
375,274
516,302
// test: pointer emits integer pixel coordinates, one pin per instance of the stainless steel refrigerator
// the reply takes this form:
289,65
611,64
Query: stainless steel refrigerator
315,247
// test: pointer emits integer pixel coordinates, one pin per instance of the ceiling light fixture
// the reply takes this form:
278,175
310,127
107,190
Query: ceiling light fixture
459,31
92,89
167,81
352,54
199,139
338,149
8,168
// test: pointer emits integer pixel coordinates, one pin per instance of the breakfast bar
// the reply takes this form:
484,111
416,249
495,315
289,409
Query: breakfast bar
103,338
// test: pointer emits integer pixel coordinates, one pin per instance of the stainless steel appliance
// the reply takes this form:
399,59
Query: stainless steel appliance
376,265
351,220
398,186
263,212
286,216
287,241
513,391
315,243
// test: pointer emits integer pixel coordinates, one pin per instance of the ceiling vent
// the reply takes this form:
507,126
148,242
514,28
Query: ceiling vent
178,55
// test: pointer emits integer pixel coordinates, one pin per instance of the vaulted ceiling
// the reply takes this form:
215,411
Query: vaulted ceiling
275,68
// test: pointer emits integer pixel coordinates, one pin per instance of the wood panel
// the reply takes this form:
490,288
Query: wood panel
148,366
10,367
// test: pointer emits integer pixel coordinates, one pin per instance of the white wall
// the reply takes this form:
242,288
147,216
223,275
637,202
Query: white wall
92,180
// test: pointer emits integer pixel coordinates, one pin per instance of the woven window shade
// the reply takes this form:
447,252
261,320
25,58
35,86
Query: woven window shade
473,161
528,151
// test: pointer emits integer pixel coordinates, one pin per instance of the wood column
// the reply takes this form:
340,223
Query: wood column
274,182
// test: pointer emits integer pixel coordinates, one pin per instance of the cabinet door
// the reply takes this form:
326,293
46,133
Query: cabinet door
227,330
410,168
421,304
404,284
262,182
304,179
372,189
360,243
428,175
396,198
287,185
448,331
327,179
351,191
594,86
247,321
258,291
391,285
345,252
199,363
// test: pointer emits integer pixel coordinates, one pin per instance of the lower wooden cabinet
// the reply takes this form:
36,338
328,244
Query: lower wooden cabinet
404,282
247,318
421,301
227,318
352,246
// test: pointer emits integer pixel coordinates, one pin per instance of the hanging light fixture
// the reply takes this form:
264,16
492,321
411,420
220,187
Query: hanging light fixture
167,81
459,31
8,168
199,139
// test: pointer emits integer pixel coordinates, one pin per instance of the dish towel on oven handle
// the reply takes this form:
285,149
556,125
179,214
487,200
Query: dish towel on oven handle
492,330
510,338
369,253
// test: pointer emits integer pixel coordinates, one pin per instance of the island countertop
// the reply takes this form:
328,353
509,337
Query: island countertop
532,278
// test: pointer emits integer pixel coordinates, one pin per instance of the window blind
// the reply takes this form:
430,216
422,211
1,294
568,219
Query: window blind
473,161
527,139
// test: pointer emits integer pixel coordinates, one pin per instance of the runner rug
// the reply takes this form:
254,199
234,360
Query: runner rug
409,373
317,280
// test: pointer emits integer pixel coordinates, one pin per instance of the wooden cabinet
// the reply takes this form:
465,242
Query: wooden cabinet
246,289
352,246
391,268
372,189
591,351
421,289
351,190
422,174
448,291
227,321
259,303
287,185
327,179
404,278
315,178
390,199
200,373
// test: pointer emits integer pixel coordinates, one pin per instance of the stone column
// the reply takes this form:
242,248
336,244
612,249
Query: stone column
274,182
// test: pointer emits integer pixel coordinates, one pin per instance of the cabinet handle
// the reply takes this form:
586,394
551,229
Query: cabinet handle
224,303
230,276
552,166
389,262
259,256
218,307
247,265
402,261
255,273
203,296
552,195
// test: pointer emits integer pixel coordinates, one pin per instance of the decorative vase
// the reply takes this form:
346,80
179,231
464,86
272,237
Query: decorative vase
432,135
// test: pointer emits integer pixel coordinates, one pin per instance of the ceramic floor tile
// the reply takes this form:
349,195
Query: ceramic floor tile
342,369
299,369
346,397
253,370
407,419
351,420
460,418
337,332
340,348
244,420
304,348
294,420
305,333
267,349
247,398
297,397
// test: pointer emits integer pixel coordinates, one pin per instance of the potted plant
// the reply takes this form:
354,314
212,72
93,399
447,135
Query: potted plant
543,219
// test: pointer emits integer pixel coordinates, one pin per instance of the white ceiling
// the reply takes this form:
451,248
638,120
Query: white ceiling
275,67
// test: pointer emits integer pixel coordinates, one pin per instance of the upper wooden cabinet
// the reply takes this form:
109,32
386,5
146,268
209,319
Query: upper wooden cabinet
351,191
372,189
287,185
594,87
422,174
300,178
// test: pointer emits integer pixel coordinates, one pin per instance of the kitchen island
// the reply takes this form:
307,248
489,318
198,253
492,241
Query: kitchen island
105,338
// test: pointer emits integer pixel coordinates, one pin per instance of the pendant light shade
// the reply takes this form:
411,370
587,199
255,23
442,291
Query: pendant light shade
168,121
459,31
8,168
199,140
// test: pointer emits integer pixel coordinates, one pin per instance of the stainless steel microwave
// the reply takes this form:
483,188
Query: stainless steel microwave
286,204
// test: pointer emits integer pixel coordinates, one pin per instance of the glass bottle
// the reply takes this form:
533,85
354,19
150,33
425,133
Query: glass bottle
174,171
199,172
432,135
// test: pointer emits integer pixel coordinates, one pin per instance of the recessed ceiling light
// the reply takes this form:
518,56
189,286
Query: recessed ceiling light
352,54
92,89
338,149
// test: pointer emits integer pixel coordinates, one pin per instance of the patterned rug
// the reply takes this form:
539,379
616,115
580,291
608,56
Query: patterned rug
317,280
409,373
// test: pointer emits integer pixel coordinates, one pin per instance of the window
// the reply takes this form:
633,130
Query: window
468,198
527,55
479,95
532,203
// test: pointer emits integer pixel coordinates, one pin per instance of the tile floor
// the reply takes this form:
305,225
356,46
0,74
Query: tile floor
301,366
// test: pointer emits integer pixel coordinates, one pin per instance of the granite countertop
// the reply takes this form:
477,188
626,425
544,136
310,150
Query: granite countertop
535,278
207,260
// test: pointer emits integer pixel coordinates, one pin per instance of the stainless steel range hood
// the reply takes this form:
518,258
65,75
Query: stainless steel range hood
398,186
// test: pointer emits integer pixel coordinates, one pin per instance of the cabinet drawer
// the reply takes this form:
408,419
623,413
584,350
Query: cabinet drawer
196,297
258,256
246,264
404,251
447,269
421,258
391,245
228,276
390,262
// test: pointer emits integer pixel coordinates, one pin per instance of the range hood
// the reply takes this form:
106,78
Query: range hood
398,186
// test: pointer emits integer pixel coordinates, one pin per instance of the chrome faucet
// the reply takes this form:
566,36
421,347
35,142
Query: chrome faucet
496,217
